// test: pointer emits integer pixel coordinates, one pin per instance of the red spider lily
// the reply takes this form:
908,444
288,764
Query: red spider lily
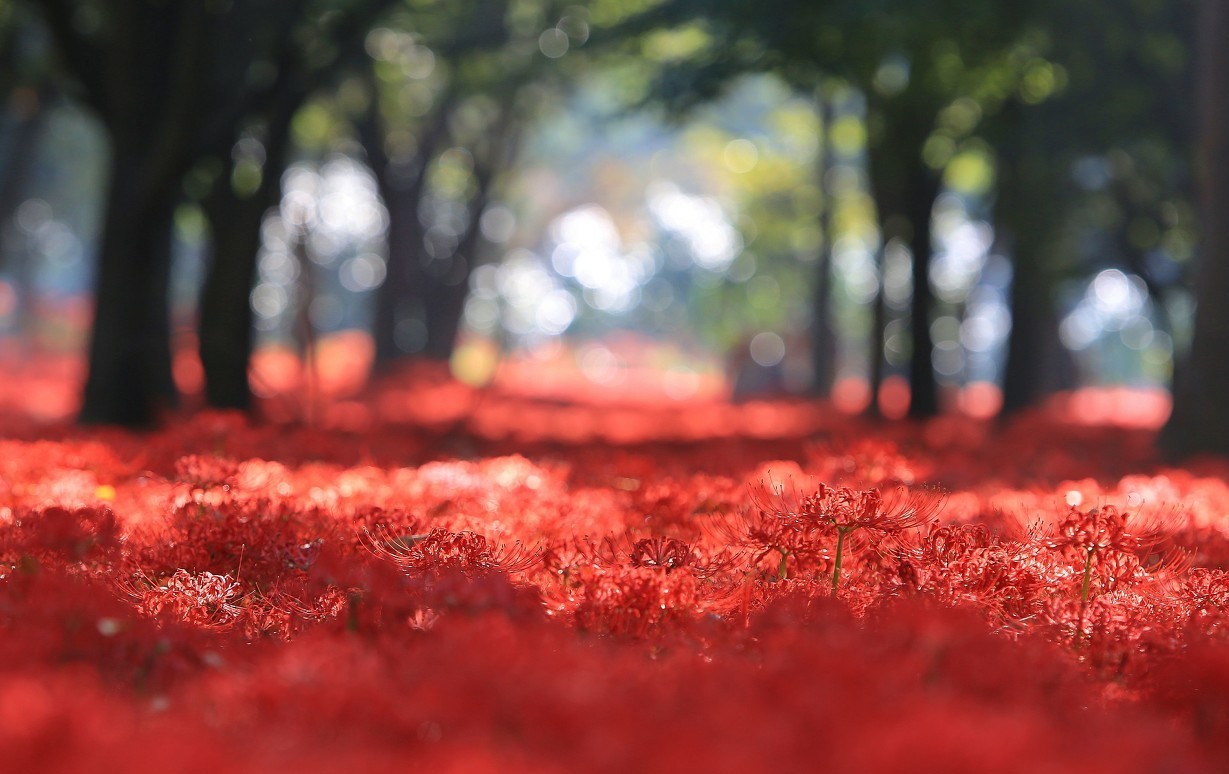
1108,528
662,553
788,521
441,549
1097,536
350,601
205,600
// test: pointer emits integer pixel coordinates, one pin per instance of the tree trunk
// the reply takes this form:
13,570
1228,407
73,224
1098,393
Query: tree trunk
923,389
225,313
1200,419
1037,362
31,117
443,297
823,337
1033,194
130,377
404,272
402,187
879,324
904,190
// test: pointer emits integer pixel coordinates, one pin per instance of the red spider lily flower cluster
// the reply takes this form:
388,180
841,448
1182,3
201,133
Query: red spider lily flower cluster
226,596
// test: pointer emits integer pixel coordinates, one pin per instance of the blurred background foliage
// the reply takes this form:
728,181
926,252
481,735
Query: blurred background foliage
974,204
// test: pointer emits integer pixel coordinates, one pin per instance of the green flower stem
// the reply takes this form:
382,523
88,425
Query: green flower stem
840,548
1084,589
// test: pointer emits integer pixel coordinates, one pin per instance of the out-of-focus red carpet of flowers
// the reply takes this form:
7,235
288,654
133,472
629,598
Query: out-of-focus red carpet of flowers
452,579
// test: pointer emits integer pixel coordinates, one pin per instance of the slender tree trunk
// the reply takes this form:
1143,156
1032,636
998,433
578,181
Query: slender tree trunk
443,298
402,186
904,189
876,349
1028,216
394,299
1037,362
823,338
923,389
225,313
1200,419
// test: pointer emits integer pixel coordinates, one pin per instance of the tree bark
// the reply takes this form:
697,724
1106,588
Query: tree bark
904,189
1200,419
225,313
402,188
1037,362
1029,210
823,337
145,83
923,389
130,378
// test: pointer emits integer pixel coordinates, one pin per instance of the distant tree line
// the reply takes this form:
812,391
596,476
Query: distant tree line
1042,86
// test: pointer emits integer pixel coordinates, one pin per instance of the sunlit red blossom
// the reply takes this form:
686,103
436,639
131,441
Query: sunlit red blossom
205,600
440,549
633,601
1201,599
779,538
865,462
1108,528
662,553
965,565
850,509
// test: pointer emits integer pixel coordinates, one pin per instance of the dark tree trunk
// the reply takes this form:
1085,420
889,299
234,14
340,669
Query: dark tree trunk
225,312
170,81
923,389
130,377
429,295
394,298
1037,362
443,304
823,337
146,84
879,324
444,301
904,190
443,297
1200,419
402,184
1028,216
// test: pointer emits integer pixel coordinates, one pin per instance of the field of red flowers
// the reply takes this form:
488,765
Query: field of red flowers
683,588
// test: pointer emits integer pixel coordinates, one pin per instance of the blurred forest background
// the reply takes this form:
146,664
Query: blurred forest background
901,208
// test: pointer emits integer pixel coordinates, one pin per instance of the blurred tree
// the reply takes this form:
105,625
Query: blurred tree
27,91
1090,149
246,176
249,183
1200,419
440,129
170,82
911,63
